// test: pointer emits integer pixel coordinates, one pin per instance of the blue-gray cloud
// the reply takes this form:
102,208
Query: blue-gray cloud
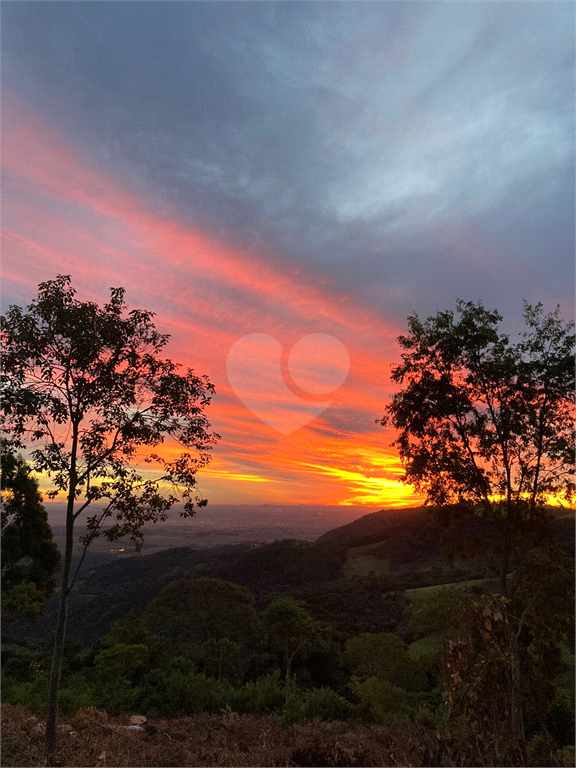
413,152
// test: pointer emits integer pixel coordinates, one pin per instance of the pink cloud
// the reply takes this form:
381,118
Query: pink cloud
64,215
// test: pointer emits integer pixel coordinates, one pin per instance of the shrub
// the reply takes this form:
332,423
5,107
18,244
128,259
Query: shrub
179,690
380,701
32,694
566,756
385,656
20,663
116,673
317,703
76,693
262,695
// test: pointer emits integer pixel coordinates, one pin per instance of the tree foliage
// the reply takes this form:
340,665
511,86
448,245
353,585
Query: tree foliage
486,425
380,701
384,655
86,390
192,611
30,557
291,631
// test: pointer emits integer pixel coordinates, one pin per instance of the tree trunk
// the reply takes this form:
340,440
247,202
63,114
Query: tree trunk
59,644
60,637
289,658
505,562
503,574
516,708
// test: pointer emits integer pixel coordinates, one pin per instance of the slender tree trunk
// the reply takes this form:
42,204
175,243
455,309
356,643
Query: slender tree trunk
505,561
289,658
59,644
516,708
60,637
504,571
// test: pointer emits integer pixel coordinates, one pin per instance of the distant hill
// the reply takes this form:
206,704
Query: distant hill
409,539
353,575
412,540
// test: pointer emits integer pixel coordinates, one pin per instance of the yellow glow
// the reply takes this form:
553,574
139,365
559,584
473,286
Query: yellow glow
225,475
370,490
548,499
557,500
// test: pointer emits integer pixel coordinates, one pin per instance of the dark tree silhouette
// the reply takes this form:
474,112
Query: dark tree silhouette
486,425
87,392
192,611
30,557
291,631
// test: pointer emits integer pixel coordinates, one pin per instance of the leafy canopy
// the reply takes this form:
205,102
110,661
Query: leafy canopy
30,557
290,628
86,390
193,611
485,424
385,656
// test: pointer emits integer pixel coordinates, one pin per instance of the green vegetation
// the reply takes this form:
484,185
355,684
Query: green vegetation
486,427
191,612
291,631
425,593
302,670
85,389
30,558
368,625
360,562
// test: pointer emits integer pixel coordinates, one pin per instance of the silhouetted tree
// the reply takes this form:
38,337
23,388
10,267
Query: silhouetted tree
86,390
192,611
30,557
486,425
291,630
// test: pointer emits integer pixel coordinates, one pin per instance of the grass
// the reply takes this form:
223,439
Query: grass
426,648
360,562
424,593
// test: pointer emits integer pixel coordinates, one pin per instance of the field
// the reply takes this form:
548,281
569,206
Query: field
361,562
425,593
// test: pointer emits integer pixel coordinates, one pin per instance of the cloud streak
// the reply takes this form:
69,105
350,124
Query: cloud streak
292,169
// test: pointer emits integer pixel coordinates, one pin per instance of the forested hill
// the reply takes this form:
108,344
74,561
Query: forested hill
413,537
376,526
352,576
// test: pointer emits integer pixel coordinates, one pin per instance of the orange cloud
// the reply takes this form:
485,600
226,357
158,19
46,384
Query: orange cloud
65,215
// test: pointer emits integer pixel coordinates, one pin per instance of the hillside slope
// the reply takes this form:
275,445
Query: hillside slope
352,576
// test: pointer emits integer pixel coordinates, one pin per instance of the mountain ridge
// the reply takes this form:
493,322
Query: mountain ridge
354,574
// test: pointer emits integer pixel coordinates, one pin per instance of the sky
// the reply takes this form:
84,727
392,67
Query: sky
283,184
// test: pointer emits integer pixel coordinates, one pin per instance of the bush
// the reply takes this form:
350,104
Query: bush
256,697
385,656
179,690
317,703
117,670
20,663
32,694
566,756
380,701
76,693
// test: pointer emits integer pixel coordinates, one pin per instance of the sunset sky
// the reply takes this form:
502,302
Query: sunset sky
290,169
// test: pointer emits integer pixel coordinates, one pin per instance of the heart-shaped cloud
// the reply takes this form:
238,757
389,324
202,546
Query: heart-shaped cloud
318,363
